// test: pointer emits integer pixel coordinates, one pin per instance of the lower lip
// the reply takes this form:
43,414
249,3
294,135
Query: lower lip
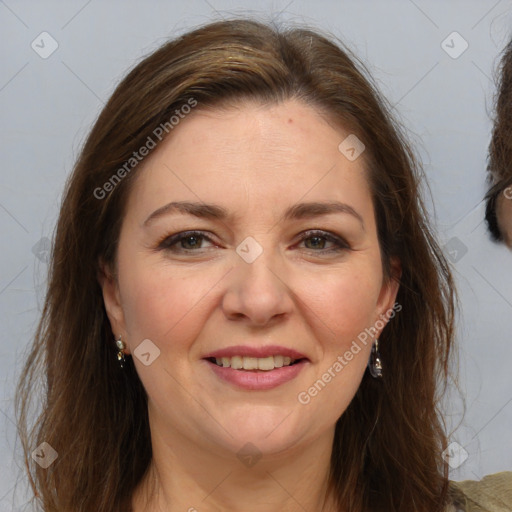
258,379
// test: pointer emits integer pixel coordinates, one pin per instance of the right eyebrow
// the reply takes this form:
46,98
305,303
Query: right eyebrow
201,210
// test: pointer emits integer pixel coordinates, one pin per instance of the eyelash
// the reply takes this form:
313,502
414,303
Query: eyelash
169,241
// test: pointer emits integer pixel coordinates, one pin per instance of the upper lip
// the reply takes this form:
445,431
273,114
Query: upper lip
260,352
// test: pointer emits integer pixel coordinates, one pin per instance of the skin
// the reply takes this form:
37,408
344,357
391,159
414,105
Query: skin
255,161
504,215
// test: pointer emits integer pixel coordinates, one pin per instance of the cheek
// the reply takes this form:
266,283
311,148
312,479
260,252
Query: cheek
344,303
161,305
343,311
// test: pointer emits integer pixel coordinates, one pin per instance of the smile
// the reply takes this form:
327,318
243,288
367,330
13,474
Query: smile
257,379
254,363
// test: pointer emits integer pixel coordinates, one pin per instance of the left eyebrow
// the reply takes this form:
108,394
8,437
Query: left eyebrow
316,209
213,211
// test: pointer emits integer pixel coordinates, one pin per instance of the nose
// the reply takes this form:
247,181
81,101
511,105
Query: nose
257,292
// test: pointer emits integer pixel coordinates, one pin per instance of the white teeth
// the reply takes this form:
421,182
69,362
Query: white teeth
254,363
278,361
237,363
266,363
250,363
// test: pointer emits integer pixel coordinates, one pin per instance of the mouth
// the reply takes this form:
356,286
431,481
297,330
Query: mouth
255,364
256,373
256,367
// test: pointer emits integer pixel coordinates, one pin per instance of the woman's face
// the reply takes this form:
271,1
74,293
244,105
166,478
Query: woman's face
285,262
504,215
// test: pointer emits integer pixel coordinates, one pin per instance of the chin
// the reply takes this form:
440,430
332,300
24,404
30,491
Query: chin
268,430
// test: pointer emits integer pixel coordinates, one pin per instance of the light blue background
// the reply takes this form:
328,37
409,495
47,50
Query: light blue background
48,106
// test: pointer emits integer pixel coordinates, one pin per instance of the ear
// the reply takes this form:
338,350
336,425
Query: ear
387,297
112,300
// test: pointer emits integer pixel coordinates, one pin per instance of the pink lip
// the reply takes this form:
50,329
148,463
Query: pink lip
241,350
258,379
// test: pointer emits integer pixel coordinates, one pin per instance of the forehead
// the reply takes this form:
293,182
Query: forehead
252,154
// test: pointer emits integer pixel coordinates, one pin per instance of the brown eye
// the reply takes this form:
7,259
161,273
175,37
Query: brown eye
193,241
318,242
187,241
318,239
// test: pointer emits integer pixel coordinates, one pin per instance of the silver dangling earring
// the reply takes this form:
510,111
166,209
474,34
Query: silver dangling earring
375,364
120,354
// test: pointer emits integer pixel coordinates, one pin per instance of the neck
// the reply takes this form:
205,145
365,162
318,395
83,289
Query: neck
186,477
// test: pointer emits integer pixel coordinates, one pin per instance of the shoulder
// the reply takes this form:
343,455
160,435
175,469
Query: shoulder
491,494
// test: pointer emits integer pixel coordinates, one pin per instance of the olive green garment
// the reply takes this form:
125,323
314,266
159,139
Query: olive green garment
491,494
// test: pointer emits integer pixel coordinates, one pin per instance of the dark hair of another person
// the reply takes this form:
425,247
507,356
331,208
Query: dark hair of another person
388,443
499,167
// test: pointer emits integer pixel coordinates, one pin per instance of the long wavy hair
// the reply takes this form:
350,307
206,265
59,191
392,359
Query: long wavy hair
499,161
387,451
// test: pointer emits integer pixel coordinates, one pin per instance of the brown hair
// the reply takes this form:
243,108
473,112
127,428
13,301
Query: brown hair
388,443
499,165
